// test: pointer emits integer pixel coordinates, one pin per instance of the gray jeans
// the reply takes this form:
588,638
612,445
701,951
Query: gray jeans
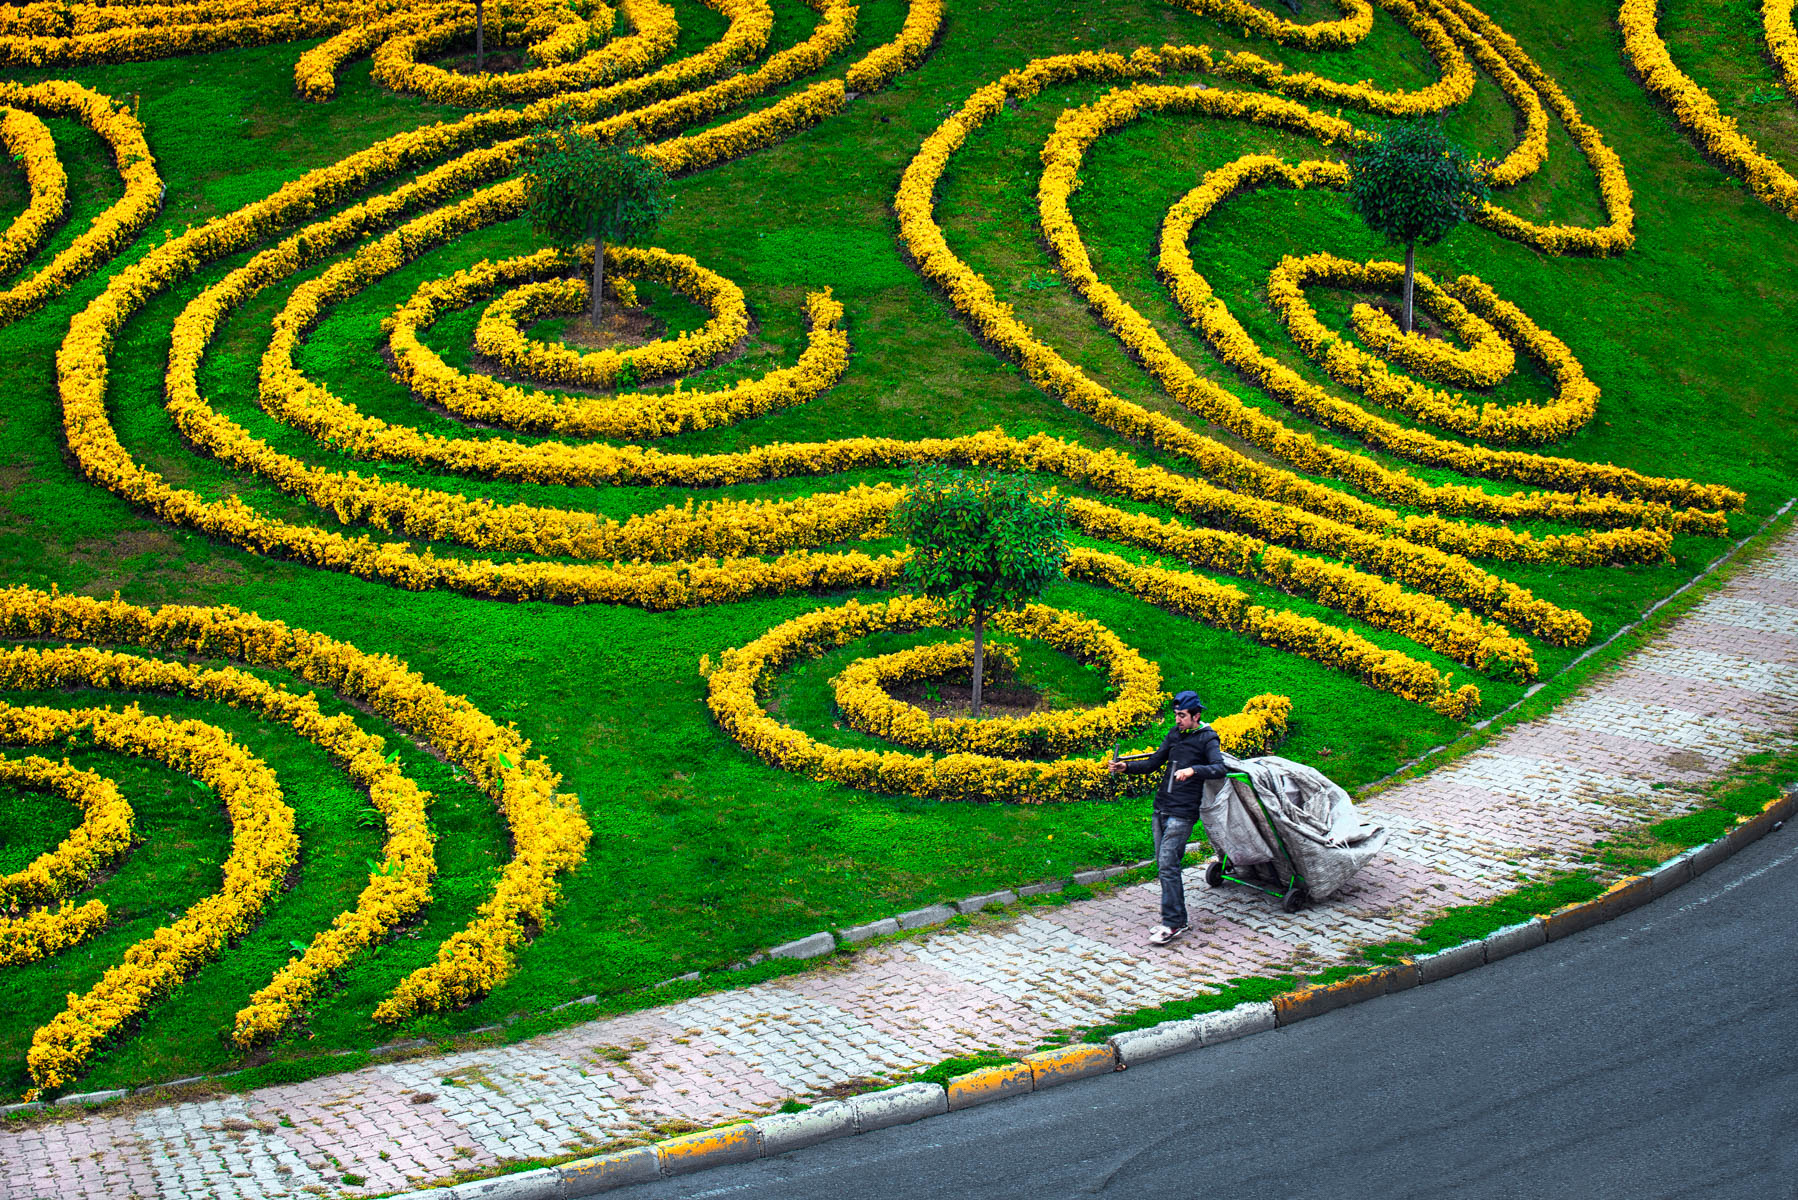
1171,836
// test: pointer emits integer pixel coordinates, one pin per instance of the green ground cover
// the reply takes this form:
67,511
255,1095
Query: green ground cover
702,854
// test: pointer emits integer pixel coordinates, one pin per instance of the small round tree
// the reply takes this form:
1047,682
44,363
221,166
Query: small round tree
583,188
1411,185
982,542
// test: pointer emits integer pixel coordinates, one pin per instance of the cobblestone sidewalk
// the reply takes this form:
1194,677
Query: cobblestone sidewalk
1720,683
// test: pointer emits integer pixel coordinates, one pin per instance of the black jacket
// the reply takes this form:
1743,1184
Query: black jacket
1195,748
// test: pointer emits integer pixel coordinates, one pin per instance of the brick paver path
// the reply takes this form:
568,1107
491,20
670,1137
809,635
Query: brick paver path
1720,683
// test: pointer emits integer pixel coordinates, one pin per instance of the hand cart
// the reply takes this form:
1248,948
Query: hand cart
1292,895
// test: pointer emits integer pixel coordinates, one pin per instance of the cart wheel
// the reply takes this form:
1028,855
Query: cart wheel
1214,873
1295,898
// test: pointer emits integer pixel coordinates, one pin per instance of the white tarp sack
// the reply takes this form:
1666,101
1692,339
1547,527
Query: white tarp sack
1326,835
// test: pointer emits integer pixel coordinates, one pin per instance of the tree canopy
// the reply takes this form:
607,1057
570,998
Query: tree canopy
1412,185
583,187
982,542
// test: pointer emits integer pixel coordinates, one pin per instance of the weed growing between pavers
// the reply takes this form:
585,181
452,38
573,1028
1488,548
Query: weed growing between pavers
704,854
949,1068
1227,995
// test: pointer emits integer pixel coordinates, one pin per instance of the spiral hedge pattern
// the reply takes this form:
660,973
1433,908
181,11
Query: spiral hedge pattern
1394,500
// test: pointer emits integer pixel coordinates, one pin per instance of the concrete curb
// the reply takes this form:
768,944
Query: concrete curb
1514,939
1614,901
769,1136
898,1105
819,1123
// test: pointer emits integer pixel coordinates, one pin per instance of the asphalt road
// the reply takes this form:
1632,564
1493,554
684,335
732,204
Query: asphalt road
1656,1055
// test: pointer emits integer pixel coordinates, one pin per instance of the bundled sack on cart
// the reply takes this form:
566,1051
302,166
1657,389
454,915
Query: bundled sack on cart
1328,838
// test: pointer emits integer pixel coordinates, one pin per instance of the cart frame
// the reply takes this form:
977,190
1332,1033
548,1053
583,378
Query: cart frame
1295,894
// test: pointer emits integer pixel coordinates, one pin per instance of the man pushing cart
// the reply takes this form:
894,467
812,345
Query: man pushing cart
1278,826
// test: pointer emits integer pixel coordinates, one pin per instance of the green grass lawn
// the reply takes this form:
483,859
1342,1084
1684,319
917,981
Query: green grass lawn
701,853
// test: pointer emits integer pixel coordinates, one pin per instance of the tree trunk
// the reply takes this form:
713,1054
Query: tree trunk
480,29
599,276
1410,278
979,655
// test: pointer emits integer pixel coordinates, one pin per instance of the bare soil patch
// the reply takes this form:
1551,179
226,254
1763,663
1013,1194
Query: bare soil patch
1396,311
619,328
493,62
953,697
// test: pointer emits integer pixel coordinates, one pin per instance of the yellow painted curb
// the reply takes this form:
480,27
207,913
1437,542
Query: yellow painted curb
1772,813
1321,998
710,1148
1070,1063
1615,900
990,1083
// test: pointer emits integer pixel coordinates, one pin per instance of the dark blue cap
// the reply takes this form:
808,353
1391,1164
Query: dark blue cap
1188,701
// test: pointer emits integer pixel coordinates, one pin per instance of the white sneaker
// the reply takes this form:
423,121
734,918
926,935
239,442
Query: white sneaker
1166,933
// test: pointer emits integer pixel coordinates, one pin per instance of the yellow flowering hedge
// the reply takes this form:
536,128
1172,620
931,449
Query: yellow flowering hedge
1781,40
177,391
883,64
1257,729
975,299
559,36
28,142
541,530
721,528
1229,608
1389,549
1076,131
114,228
1561,415
1485,361
568,39
862,695
396,59
102,838
315,71
570,43
629,414
1422,618
47,34
732,694
499,334
82,366
1677,503
1696,111
548,831
263,847
29,928
43,932
392,895
1356,22
535,526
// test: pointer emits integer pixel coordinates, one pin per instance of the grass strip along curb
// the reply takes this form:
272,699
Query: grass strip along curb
780,1133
